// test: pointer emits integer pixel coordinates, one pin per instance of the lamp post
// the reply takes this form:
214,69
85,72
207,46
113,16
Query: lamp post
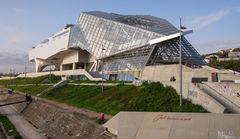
10,76
102,65
180,62
50,74
25,73
180,59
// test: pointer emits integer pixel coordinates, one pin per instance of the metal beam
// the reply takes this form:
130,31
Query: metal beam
161,39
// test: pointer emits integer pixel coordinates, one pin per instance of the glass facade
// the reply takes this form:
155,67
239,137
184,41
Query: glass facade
125,40
168,53
115,37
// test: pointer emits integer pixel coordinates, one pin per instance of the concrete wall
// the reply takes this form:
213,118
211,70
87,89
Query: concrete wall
163,125
229,76
199,97
176,86
160,73
224,74
77,55
163,73
53,46
84,56
231,91
72,57
53,121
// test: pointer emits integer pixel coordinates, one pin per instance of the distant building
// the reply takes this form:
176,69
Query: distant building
234,54
209,57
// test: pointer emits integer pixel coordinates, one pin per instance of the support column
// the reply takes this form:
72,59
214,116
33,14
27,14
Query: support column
74,66
38,65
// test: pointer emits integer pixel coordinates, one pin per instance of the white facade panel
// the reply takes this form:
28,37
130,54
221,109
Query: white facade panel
72,57
53,45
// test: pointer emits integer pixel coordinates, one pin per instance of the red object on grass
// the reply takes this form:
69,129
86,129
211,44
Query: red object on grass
102,117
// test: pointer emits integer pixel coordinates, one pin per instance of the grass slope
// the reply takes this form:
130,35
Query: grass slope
11,130
148,97
35,80
31,89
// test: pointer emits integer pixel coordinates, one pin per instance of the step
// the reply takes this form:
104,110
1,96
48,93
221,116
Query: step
221,99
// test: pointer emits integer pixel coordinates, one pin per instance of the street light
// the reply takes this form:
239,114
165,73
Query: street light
10,75
25,73
180,59
50,74
102,65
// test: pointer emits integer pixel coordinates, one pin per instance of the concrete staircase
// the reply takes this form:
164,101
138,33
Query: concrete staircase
95,74
231,107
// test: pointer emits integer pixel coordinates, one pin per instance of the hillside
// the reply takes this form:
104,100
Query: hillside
224,59
230,64
148,97
222,53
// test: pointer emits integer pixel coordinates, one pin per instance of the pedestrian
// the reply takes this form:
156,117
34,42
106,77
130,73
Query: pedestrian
173,79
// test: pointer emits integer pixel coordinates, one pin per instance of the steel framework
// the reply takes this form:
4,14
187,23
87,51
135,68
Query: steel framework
126,40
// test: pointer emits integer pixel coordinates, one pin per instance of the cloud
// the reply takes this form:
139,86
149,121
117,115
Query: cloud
19,38
16,37
201,22
15,44
14,47
15,60
216,45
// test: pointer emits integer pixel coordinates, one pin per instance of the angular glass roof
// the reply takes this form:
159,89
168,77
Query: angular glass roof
146,22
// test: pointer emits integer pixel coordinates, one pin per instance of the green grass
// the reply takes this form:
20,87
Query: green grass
90,97
35,80
148,97
155,97
89,81
32,89
11,130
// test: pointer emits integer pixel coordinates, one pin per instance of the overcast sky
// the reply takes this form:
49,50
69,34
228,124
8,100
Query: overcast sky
26,23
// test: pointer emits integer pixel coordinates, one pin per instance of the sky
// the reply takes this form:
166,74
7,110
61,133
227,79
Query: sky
25,23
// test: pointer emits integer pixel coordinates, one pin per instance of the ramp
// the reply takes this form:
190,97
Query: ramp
57,85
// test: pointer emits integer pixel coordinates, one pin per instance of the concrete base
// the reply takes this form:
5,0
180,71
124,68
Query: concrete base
63,73
161,125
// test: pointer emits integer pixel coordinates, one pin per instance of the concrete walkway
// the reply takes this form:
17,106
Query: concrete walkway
99,84
90,84
26,130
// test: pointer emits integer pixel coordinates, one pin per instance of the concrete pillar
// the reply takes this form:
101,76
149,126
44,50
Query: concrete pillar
73,67
38,65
